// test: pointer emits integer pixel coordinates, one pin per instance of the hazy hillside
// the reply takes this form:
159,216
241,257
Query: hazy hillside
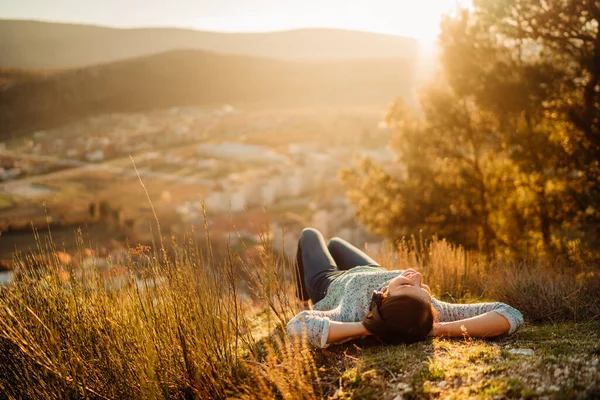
10,76
196,77
33,44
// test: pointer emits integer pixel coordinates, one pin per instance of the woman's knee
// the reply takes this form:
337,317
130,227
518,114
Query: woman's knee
309,234
335,243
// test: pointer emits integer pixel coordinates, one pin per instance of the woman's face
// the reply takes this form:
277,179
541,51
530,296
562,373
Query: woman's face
409,283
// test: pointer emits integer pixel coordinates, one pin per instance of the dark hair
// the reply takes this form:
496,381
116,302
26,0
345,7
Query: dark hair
399,319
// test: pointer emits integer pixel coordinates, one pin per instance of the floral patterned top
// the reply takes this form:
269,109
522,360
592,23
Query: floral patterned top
349,296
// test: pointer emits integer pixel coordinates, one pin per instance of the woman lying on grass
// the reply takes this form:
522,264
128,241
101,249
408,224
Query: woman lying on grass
353,296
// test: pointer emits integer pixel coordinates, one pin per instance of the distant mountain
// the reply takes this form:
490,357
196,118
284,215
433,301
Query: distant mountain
191,77
34,44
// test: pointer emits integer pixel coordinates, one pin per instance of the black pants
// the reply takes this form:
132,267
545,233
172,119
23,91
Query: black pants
319,264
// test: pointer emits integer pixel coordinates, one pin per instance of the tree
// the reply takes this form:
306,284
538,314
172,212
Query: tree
568,33
443,186
505,153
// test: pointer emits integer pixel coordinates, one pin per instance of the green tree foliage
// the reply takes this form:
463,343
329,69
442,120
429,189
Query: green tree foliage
504,153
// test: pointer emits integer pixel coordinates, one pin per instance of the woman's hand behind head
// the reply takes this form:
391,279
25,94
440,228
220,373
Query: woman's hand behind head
410,283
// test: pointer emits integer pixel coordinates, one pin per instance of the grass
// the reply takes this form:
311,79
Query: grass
179,328
544,290
190,325
462,368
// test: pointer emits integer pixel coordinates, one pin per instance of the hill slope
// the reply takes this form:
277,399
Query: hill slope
197,78
34,44
9,76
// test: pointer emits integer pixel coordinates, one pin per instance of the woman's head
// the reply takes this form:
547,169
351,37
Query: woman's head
403,312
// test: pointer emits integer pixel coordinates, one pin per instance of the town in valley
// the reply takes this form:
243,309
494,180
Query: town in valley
241,176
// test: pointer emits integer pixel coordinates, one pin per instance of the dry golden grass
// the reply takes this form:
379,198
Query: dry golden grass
180,327
187,327
543,290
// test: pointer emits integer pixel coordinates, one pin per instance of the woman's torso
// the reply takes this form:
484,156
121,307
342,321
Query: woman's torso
351,292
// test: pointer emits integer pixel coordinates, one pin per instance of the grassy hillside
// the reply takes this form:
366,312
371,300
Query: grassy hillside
201,78
558,361
189,327
33,44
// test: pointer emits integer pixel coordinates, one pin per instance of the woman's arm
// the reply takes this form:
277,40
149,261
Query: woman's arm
341,331
320,328
312,326
480,319
489,324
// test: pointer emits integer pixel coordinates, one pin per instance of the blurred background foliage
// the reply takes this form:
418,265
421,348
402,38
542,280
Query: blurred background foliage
503,155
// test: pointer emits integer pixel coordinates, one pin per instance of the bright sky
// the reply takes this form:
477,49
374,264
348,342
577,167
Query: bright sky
415,18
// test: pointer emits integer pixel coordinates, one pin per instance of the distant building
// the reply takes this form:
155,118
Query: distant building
94,262
268,191
95,156
382,156
302,148
252,190
208,163
295,183
181,130
237,200
214,202
239,151
11,173
73,153
218,201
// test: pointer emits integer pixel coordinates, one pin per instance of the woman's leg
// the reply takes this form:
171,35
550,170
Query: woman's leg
346,256
315,266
